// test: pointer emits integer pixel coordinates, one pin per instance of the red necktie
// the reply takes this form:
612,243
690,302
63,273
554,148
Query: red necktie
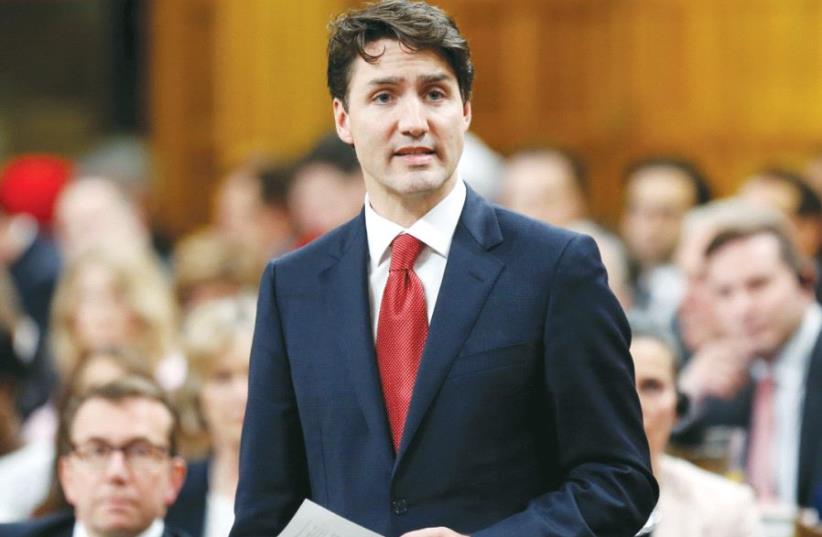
760,451
401,332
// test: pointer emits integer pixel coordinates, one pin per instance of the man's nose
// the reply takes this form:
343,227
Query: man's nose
412,119
117,466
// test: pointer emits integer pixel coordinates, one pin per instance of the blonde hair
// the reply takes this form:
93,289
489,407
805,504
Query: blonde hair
140,279
211,328
207,257
208,333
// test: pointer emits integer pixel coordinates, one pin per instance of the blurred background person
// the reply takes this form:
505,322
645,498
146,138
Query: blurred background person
658,193
251,209
714,363
29,187
109,298
97,368
547,184
692,502
93,213
207,265
327,189
762,289
117,463
792,195
217,343
105,299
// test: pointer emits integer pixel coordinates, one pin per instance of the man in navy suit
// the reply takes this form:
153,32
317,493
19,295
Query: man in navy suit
437,366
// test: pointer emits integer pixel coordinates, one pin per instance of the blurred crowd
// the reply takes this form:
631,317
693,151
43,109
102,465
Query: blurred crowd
722,294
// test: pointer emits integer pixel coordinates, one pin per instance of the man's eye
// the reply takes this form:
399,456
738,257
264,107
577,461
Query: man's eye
382,98
140,450
435,95
97,450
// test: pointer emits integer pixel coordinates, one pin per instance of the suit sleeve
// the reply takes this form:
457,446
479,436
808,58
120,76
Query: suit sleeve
608,488
273,471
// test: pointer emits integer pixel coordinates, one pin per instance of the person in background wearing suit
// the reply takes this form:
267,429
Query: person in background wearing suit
692,502
763,292
217,341
437,366
117,466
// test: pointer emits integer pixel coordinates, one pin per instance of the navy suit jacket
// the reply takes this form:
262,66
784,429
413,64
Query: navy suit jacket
738,412
189,509
524,418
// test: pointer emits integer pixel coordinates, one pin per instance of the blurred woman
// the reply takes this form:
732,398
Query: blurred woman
116,299
692,501
217,342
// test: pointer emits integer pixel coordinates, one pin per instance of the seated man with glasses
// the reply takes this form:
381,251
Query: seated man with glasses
117,465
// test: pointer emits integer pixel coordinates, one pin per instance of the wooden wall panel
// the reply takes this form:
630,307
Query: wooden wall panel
733,84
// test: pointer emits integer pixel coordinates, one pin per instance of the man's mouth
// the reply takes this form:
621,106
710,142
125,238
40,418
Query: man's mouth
415,155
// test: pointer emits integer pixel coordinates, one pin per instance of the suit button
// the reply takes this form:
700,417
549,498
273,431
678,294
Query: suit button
399,506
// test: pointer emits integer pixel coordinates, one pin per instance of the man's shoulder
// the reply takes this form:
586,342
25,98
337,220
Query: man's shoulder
57,525
536,237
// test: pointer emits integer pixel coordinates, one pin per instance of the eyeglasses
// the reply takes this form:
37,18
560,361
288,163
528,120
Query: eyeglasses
138,454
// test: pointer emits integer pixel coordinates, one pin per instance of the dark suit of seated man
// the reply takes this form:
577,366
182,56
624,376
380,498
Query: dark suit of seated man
117,465
437,365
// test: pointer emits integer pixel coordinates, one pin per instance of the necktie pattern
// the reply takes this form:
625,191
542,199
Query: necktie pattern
402,329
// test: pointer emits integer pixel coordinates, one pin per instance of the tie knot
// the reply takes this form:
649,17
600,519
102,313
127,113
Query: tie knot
404,251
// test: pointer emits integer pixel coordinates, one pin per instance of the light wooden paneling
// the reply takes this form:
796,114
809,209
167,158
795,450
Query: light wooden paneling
733,84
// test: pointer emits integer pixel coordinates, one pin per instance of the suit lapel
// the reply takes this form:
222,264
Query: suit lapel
347,292
470,274
810,440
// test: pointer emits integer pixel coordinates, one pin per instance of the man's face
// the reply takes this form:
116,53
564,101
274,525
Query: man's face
407,122
757,296
116,496
657,199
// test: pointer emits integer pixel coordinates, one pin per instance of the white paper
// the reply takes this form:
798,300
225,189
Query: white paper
312,520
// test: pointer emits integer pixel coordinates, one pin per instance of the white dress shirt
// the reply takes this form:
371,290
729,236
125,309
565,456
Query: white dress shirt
789,370
155,530
435,230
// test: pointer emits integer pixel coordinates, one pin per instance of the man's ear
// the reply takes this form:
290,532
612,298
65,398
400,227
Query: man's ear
65,473
341,121
177,476
466,114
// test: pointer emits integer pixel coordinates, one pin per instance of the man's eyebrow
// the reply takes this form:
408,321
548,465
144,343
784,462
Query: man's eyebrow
386,81
99,439
396,80
431,79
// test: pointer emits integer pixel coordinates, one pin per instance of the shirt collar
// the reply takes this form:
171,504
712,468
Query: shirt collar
154,530
435,229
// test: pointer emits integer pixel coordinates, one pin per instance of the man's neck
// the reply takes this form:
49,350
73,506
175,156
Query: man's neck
405,210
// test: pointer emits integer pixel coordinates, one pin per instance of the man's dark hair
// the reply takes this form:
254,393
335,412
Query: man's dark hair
416,25
122,389
809,203
698,180
788,251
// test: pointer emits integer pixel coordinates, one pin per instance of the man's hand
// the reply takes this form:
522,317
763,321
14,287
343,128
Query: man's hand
433,532
718,369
